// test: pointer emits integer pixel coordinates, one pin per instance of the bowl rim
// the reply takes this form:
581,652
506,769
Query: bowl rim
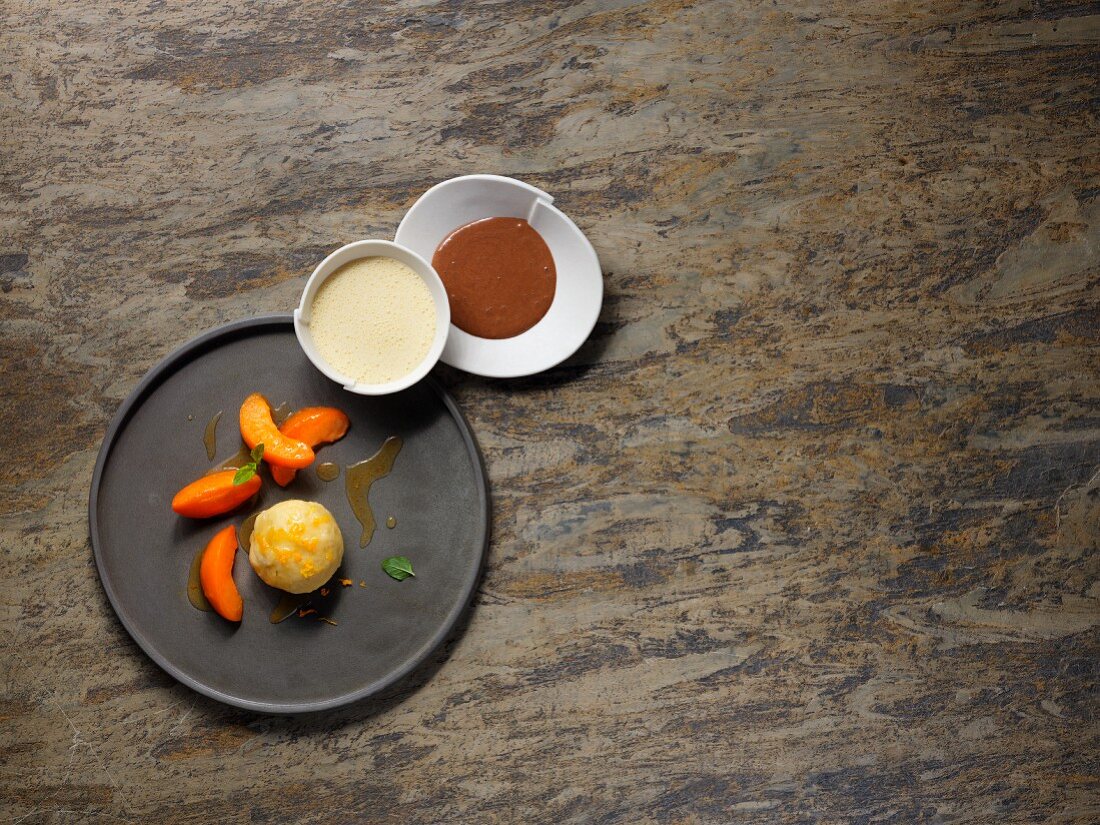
503,179
370,248
582,327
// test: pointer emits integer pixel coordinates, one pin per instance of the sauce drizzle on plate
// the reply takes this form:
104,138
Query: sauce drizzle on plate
359,478
288,605
210,437
194,585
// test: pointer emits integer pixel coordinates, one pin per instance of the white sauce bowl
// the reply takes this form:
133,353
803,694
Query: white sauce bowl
371,249
578,293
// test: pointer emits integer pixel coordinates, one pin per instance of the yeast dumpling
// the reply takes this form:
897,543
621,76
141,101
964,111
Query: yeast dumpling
296,546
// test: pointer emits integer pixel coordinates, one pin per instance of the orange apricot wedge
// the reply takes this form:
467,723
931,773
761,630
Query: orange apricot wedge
216,575
214,494
258,427
314,426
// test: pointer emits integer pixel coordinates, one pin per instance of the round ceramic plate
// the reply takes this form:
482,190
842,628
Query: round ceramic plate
437,492
577,296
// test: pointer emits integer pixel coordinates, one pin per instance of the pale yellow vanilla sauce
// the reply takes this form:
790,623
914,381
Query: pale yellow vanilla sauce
373,320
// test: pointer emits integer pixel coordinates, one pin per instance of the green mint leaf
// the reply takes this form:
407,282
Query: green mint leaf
244,474
398,567
257,453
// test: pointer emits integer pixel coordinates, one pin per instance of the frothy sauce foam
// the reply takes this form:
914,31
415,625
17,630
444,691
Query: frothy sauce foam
373,320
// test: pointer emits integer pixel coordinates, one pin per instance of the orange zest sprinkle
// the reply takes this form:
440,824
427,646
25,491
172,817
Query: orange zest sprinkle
326,621
362,584
346,582
324,591
302,613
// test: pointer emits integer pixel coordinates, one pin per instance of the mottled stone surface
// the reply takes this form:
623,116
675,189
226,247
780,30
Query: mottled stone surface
806,532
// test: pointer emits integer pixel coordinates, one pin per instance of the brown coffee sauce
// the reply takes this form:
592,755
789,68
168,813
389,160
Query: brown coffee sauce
499,275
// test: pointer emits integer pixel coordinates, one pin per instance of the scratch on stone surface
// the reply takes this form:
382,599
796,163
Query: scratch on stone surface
182,719
1088,487
79,741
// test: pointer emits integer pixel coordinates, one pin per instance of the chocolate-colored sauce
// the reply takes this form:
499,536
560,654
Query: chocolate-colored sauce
499,275
391,522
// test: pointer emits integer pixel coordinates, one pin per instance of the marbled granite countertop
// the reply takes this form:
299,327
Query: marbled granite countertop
806,532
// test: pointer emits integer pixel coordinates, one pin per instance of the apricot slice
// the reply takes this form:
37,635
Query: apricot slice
258,427
216,575
314,426
214,494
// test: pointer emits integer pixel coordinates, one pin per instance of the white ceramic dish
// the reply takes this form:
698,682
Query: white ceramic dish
370,249
579,293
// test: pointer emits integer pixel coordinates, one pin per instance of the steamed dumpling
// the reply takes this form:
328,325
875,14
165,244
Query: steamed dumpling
296,546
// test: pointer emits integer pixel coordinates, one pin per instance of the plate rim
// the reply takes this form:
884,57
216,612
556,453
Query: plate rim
137,395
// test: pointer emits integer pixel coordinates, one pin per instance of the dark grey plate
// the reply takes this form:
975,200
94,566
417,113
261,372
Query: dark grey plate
437,491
